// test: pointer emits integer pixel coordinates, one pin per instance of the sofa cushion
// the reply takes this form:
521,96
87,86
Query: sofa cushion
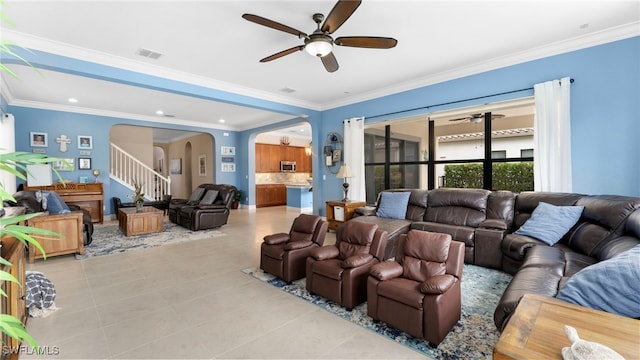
549,223
607,285
196,195
55,204
209,197
393,205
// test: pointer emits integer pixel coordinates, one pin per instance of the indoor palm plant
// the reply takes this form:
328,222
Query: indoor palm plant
14,163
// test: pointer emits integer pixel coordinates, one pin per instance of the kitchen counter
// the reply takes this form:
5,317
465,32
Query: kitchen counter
299,197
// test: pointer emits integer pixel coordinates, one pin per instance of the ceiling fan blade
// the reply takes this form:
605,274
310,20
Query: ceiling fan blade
339,14
462,118
367,42
330,63
274,25
282,53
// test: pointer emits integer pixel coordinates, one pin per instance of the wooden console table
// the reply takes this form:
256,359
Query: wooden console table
89,196
340,211
535,331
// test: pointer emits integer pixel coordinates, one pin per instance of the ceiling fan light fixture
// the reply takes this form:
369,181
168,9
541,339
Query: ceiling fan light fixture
318,45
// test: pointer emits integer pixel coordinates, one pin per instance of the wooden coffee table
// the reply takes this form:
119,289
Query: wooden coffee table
535,331
137,223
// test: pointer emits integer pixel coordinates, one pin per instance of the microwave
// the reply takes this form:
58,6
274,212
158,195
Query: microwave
287,166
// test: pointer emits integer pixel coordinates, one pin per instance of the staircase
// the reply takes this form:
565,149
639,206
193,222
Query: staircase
126,169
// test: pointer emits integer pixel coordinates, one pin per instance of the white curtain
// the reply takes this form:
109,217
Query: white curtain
552,136
354,157
7,145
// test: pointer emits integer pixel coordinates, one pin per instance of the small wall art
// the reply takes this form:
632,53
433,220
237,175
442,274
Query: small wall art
67,164
227,167
202,165
38,139
228,150
175,166
85,142
84,163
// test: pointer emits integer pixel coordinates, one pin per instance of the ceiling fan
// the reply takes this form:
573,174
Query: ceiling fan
476,118
320,43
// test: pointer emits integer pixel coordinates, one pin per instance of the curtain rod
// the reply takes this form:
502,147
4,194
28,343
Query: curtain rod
455,102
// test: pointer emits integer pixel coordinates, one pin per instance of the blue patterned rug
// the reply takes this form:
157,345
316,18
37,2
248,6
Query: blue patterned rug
473,337
109,239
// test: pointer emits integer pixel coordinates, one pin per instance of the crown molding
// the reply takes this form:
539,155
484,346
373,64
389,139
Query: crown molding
581,42
63,49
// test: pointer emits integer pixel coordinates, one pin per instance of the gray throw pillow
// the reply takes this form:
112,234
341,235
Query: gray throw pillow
209,198
196,195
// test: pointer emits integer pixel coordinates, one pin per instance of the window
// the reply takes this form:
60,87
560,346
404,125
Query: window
526,153
499,154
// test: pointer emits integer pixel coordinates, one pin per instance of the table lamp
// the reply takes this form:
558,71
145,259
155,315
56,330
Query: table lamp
39,175
345,173
96,173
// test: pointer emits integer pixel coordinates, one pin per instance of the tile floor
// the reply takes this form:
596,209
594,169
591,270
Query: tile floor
191,301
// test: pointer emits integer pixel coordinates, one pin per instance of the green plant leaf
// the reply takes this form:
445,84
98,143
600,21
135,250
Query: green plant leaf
12,326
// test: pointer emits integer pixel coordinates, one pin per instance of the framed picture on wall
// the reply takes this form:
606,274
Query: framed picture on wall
202,165
64,164
228,150
84,163
227,167
38,139
85,142
175,166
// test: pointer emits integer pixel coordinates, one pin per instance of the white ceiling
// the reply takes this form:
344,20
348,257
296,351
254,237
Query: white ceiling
209,43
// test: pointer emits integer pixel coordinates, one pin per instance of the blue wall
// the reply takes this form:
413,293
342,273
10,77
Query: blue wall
605,103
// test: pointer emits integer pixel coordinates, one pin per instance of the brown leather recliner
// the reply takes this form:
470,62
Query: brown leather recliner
339,272
419,293
285,255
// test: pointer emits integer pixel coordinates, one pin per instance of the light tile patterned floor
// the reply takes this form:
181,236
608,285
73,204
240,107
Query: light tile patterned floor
191,301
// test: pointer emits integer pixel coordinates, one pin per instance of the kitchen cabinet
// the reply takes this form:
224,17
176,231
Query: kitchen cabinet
268,157
271,195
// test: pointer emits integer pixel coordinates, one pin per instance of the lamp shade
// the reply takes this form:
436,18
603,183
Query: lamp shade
39,175
319,46
344,172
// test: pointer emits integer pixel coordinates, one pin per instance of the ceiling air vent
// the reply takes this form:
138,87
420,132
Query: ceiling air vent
287,90
148,53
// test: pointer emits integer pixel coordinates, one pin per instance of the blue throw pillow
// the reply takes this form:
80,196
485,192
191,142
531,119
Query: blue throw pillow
55,204
610,285
393,205
549,223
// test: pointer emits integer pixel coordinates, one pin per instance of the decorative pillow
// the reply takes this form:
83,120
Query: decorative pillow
209,198
549,223
55,204
196,195
393,205
610,285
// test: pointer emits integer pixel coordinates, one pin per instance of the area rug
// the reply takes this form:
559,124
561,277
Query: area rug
473,337
109,239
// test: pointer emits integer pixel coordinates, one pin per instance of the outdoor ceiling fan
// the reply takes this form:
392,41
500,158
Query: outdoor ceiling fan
477,118
320,43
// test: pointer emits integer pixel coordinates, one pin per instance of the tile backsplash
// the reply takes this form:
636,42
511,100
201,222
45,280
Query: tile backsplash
281,178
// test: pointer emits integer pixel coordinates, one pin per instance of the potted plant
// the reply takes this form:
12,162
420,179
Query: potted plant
236,199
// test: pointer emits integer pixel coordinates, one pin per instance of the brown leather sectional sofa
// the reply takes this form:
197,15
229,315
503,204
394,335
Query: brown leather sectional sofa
485,221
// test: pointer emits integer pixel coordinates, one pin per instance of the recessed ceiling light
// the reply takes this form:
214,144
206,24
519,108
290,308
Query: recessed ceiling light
73,100
159,112
221,121
301,130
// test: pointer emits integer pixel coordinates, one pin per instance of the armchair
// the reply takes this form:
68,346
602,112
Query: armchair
210,210
419,292
339,272
285,255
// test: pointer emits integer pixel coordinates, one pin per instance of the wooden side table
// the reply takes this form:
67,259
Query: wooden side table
71,239
340,211
535,331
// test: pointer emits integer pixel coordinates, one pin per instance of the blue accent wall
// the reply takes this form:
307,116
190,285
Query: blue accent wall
605,103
